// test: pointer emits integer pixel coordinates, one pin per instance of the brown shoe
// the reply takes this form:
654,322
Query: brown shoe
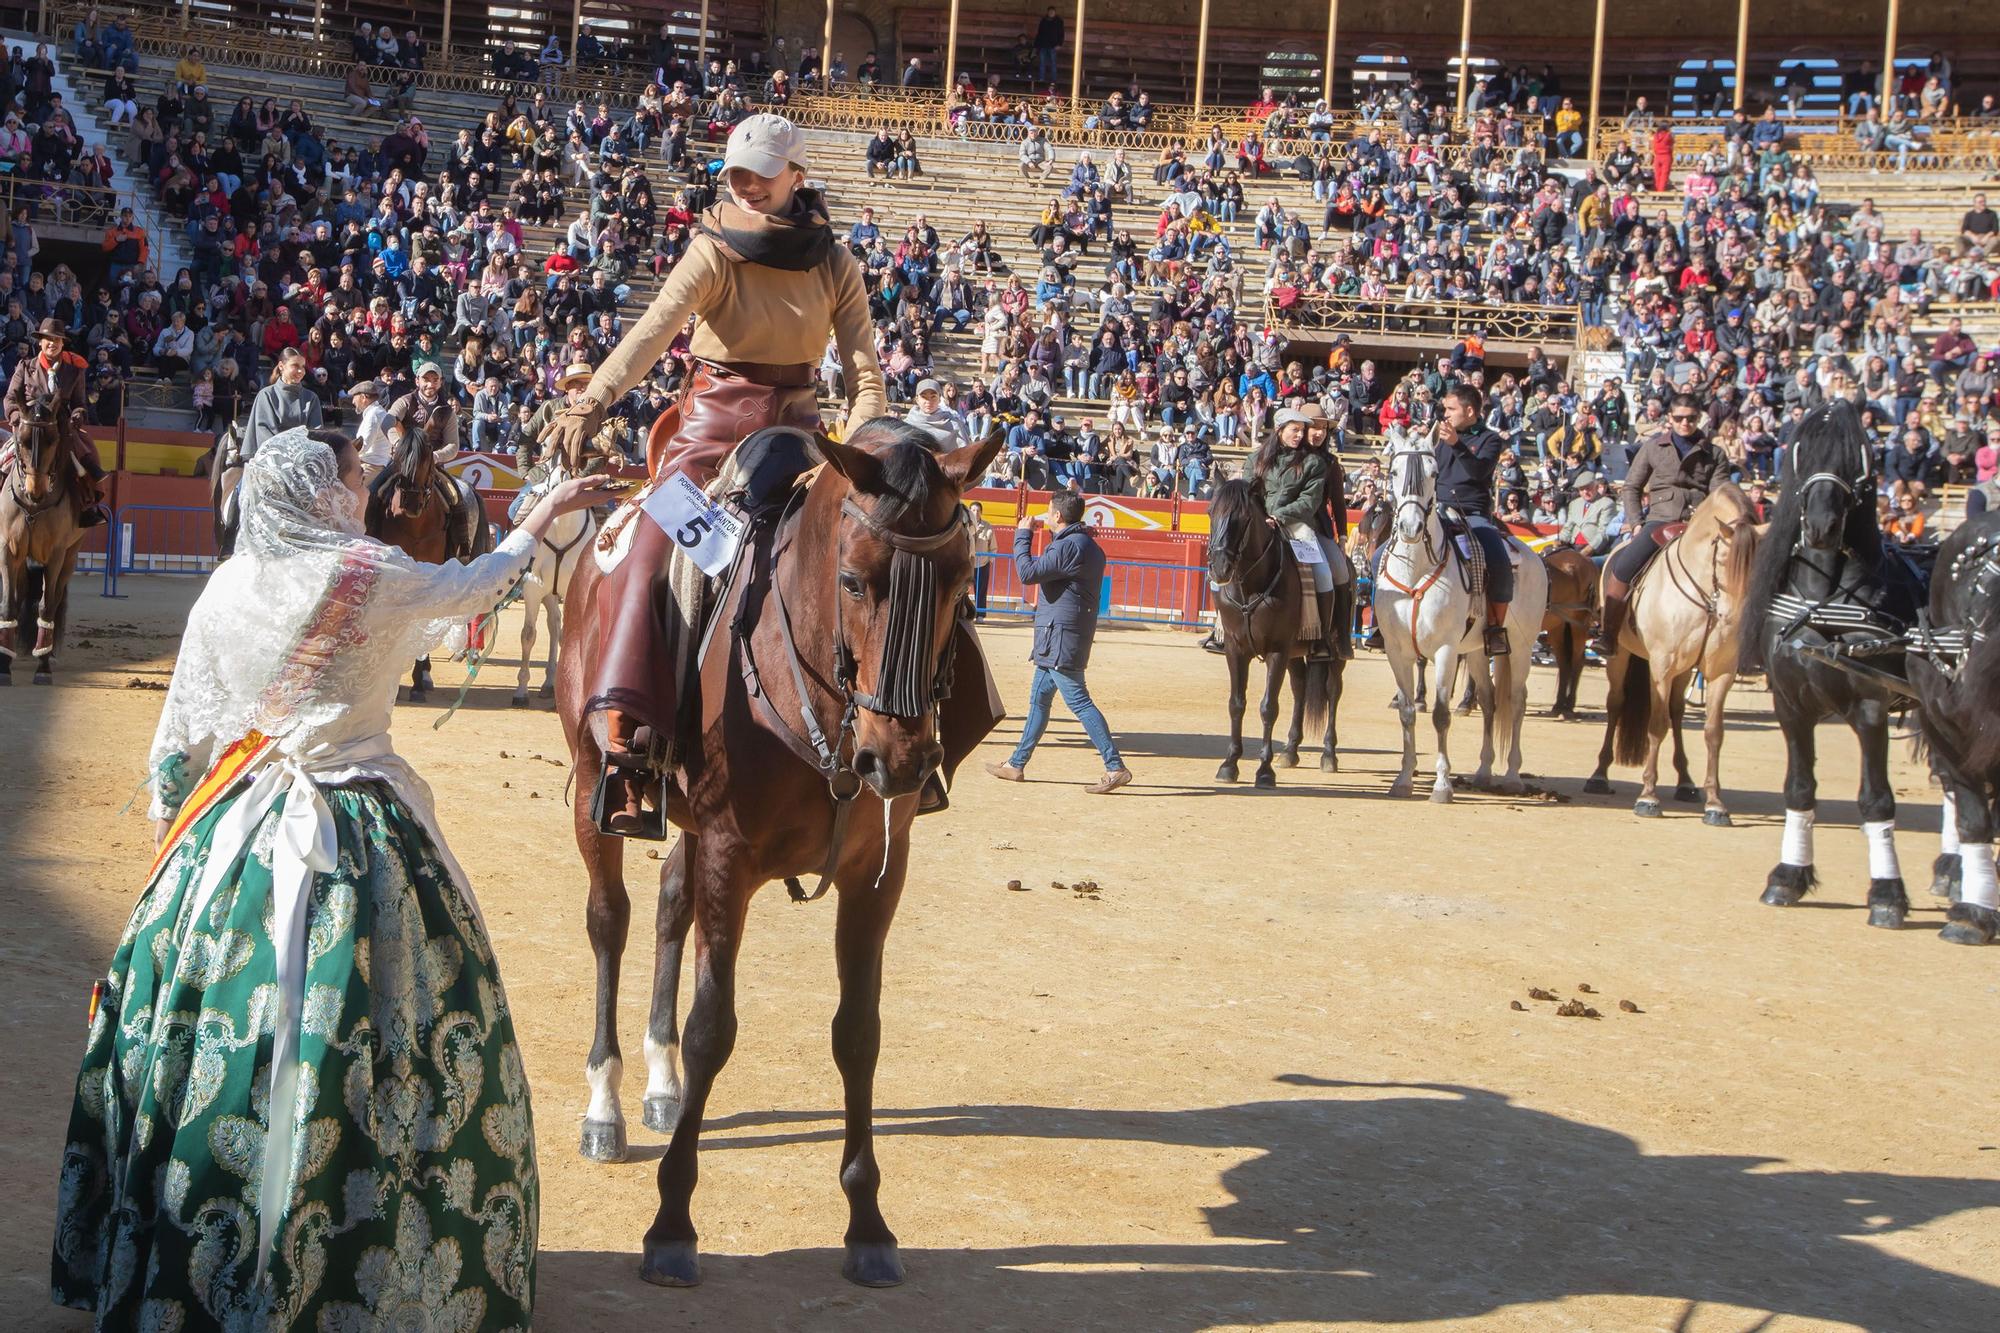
1007,772
624,805
1110,782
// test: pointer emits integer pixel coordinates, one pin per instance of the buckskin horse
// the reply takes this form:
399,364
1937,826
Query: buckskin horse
1824,589
40,532
835,687
1954,669
1259,605
407,507
1686,616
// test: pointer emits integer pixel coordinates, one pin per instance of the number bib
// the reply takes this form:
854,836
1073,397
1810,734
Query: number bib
705,530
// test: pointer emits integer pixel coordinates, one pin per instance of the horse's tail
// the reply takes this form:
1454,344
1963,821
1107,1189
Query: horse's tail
1319,695
1628,734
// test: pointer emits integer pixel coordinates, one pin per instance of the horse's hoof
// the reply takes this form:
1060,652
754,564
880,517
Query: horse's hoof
5,681
1968,924
518,701
1687,792
874,1265
1716,818
1596,787
1266,780
44,678
603,1140
1947,872
1400,787
420,696
1329,763
661,1114
1287,759
1440,796
1227,773
1646,808
1885,916
1512,786
670,1264
547,692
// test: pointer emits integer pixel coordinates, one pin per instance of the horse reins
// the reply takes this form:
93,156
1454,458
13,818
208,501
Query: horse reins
1426,508
26,466
909,628
1270,591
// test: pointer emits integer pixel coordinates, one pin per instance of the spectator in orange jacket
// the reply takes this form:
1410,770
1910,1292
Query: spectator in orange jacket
124,246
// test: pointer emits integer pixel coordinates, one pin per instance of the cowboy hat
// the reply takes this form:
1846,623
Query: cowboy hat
577,374
52,328
1287,415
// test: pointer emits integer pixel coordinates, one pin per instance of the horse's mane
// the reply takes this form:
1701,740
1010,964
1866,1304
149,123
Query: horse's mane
1830,434
1234,502
909,467
1726,514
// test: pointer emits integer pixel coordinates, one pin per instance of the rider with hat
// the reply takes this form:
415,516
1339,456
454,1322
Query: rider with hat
530,458
765,282
1673,470
372,427
1292,477
1468,453
60,375
1320,437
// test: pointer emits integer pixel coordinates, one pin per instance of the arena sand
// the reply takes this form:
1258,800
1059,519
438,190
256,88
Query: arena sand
1268,1076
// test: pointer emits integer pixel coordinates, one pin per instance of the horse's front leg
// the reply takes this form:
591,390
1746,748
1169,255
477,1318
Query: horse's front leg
662,1107
607,920
420,681
1659,720
868,897
1793,877
1888,900
1267,713
721,896
531,610
1446,681
554,606
1975,917
1405,670
1239,686
1713,810
10,613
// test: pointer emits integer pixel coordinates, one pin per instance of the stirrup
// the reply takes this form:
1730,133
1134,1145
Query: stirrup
631,764
1496,641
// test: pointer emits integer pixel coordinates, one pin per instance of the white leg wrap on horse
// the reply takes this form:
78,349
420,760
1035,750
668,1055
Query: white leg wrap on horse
1881,835
44,624
1980,888
603,1080
1948,824
8,624
660,1060
1797,848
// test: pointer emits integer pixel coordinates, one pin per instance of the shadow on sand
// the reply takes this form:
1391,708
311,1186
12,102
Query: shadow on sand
1391,1203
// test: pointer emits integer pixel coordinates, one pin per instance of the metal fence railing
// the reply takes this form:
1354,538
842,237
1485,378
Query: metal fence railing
1135,592
157,539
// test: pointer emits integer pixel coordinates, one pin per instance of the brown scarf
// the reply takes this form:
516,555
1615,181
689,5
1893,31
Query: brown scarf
796,241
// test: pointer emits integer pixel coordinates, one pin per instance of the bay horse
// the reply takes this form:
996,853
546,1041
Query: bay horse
1823,587
1425,613
1685,616
406,509
1259,605
39,536
1566,624
1954,671
225,470
824,694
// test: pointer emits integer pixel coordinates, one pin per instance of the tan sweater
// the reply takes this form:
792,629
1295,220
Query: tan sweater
749,312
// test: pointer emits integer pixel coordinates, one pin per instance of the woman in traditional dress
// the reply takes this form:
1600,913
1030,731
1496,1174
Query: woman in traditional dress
306,954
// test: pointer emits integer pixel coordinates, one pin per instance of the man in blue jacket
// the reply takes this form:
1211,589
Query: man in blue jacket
1071,575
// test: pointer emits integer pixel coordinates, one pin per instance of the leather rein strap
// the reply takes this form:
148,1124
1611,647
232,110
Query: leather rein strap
829,756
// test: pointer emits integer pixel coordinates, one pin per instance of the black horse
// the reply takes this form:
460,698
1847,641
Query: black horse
1954,670
1826,613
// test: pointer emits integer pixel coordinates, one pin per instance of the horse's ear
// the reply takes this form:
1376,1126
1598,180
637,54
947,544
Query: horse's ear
966,464
861,468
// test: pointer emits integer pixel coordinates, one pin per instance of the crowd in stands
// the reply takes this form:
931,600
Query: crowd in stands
507,250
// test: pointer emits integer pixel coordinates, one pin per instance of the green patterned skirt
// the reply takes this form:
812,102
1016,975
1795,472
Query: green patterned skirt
413,1192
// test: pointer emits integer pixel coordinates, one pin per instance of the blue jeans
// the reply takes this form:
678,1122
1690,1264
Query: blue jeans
1047,683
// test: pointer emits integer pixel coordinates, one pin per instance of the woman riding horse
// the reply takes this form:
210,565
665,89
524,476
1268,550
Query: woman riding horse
765,280
1292,478
1320,437
58,375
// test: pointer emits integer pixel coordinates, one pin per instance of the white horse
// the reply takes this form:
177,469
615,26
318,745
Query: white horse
1426,615
562,548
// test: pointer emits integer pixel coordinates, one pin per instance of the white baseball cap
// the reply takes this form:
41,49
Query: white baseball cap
765,144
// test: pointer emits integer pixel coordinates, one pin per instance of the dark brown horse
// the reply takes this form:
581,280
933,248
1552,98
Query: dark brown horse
408,507
1572,608
39,535
1258,606
817,720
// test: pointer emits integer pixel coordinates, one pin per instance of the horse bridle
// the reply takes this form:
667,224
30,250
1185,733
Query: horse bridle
27,463
1268,594
912,612
1424,505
